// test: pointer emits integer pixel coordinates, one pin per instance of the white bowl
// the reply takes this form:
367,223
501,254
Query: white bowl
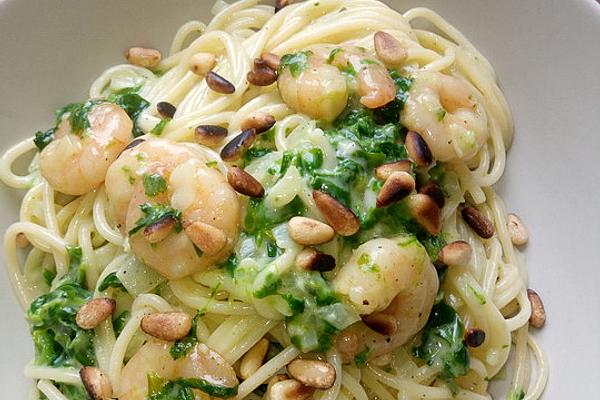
546,54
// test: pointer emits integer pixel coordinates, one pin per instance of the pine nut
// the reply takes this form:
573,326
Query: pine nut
272,60
262,122
96,383
238,145
272,381
202,63
219,84
517,230
159,230
474,337
166,109
384,324
22,240
290,389
384,171
396,187
261,74
311,259
389,49
208,238
432,190
210,135
538,313
244,183
169,326
133,143
417,149
92,313
478,222
313,373
340,217
143,57
309,232
253,359
455,253
279,4
425,212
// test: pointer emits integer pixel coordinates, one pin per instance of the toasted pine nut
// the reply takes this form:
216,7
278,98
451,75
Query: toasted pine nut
253,359
517,230
384,171
96,383
219,84
261,74
208,238
308,231
474,337
272,381
279,4
313,373
159,230
384,324
143,57
210,135
311,259
389,49
290,389
166,109
417,149
272,60
432,190
238,145
92,313
244,183
425,212
22,240
168,326
347,342
478,222
134,143
262,122
340,217
455,253
538,313
399,185
202,63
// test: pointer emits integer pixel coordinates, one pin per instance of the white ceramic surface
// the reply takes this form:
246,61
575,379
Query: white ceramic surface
546,53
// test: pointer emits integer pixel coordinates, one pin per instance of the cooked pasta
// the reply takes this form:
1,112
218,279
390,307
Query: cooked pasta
306,211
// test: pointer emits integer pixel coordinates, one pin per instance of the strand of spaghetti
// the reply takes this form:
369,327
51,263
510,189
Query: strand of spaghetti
266,371
185,31
259,330
6,162
49,390
353,385
100,221
537,389
188,295
370,379
64,375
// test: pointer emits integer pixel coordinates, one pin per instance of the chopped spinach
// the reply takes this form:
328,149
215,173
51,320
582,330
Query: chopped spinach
296,62
156,213
160,127
390,113
42,139
58,340
120,321
516,395
361,358
443,343
112,281
260,217
181,389
181,347
154,184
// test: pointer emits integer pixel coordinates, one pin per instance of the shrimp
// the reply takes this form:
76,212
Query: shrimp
154,359
312,82
200,216
319,91
391,280
442,109
76,162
